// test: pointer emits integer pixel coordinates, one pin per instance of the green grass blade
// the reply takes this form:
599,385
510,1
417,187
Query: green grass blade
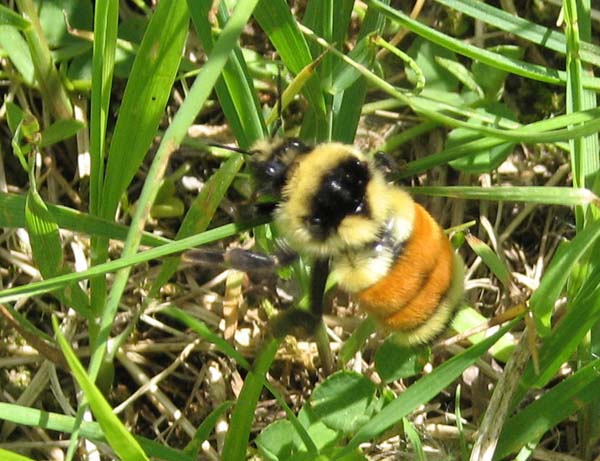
496,60
48,79
207,334
47,420
106,20
559,347
61,281
541,416
46,248
235,89
490,259
351,101
357,339
206,427
530,31
200,213
395,141
472,147
319,16
117,435
436,110
464,75
13,216
415,439
275,18
575,98
468,318
585,167
9,18
172,138
59,131
236,441
15,46
43,234
148,87
421,392
585,162
555,278
565,196
90,430
202,330
11,456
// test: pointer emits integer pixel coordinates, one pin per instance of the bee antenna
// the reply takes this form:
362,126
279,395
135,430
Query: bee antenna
279,95
230,148
279,122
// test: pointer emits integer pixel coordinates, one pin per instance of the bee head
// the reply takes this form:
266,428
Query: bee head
332,198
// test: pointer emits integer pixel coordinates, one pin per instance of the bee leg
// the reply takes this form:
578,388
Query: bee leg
296,322
385,163
304,323
318,280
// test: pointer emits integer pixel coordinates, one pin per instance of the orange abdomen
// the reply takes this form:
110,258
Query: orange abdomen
411,293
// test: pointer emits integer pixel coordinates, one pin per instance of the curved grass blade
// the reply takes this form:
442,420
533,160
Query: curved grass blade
47,77
46,248
42,229
90,430
205,428
54,283
541,416
12,215
490,259
421,392
559,347
275,18
117,435
555,278
436,111
9,18
15,47
236,441
496,60
521,27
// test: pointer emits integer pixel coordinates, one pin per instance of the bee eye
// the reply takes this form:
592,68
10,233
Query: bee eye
336,186
316,220
274,170
294,146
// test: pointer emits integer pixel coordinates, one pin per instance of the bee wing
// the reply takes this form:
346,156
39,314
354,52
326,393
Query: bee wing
241,259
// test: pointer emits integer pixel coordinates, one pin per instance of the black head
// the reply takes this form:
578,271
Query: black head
342,192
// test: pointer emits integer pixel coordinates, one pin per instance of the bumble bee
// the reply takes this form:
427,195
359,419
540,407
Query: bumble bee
334,204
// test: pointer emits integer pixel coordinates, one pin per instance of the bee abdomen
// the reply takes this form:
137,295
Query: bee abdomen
419,293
